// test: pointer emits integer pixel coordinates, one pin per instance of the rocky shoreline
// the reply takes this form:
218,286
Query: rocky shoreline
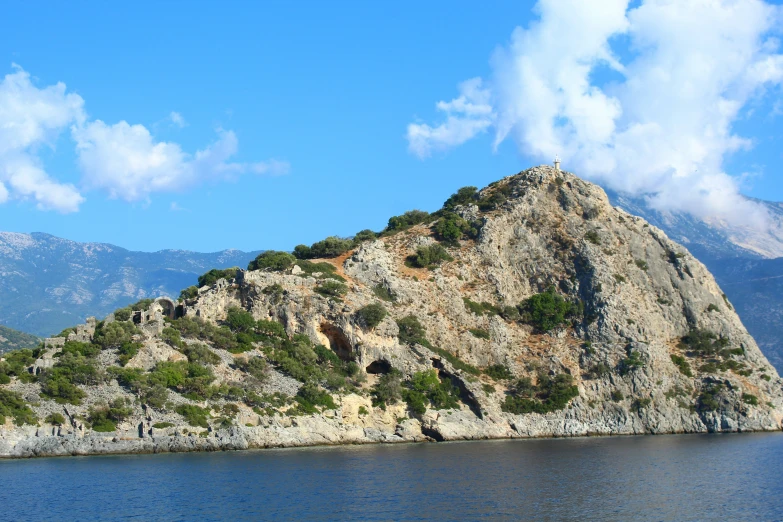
321,431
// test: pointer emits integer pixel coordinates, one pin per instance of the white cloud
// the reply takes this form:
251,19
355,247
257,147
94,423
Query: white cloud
174,207
466,116
123,160
30,118
177,119
664,127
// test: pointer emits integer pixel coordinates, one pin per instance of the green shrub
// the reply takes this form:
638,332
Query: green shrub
372,315
104,418
748,398
162,425
630,363
411,331
499,372
114,334
639,404
387,390
310,397
599,371
548,310
13,405
510,313
184,377
405,221
212,277
331,289
273,261
190,292
123,314
382,292
194,415
364,235
709,398
550,394
455,361
430,256
425,388
464,196
703,342
593,237
297,358
642,264
712,308
332,246
172,337
495,198
619,278
275,292
617,395
682,364
200,353
450,228
480,333
239,320
128,351
16,362
483,308
55,419
254,366
324,269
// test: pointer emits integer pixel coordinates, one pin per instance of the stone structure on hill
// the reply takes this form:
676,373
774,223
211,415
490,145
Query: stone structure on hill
552,314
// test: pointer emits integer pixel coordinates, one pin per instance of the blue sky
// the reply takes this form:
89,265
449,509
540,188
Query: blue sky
321,104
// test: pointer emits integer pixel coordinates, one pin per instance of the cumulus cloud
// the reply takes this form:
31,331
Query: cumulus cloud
128,163
681,73
29,119
466,116
123,160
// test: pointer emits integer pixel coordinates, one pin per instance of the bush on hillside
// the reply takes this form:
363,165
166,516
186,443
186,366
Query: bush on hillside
430,256
372,315
551,393
212,277
273,261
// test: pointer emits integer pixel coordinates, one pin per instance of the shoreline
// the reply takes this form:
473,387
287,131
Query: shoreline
236,439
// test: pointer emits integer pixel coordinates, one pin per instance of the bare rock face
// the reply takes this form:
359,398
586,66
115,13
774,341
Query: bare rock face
650,342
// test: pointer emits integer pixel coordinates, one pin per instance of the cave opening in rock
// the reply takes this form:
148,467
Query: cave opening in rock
338,341
381,366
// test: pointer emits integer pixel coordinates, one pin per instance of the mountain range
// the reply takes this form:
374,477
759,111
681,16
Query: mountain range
48,283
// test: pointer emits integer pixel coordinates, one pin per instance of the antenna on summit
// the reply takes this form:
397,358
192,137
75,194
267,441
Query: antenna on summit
557,162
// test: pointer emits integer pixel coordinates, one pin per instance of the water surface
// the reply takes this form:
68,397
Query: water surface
674,477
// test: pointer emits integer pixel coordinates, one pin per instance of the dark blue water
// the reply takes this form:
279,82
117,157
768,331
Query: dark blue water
679,477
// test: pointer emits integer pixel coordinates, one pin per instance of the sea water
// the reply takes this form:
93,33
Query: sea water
669,477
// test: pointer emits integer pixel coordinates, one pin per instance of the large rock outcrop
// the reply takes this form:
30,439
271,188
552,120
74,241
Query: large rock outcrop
652,344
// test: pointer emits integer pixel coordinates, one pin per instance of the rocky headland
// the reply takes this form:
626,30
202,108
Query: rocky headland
530,308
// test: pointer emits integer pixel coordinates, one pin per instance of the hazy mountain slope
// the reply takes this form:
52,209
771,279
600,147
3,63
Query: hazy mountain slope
738,260
48,283
13,339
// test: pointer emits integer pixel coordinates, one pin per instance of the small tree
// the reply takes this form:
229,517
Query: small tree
372,315
272,260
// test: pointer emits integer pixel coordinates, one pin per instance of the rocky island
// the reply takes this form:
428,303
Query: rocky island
530,308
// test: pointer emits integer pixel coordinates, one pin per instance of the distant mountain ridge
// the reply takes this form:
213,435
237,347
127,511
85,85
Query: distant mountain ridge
48,283
11,339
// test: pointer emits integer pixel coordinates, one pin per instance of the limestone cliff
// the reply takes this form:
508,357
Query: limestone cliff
549,313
